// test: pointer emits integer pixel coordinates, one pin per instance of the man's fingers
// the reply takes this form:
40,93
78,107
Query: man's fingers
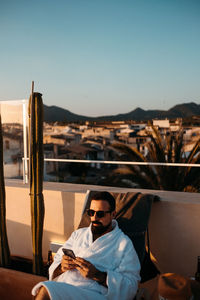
84,272
67,258
82,262
67,263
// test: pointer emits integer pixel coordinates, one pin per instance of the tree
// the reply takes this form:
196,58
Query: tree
167,149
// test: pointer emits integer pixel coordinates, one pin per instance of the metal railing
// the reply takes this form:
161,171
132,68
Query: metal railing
25,177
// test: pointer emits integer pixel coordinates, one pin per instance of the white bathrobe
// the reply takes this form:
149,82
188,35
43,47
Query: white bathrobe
112,253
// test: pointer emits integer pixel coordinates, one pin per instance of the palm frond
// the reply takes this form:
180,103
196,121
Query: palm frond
178,147
131,152
193,152
157,150
169,147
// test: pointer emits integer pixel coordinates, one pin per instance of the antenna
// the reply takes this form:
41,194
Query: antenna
32,88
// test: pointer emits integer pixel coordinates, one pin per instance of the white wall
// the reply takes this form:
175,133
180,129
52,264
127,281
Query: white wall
62,215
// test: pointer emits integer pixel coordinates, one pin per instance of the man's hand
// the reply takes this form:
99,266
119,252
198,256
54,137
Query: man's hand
67,263
88,270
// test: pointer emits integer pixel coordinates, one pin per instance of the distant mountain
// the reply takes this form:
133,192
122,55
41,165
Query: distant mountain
55,113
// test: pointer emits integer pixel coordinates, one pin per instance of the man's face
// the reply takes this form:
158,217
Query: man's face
104,224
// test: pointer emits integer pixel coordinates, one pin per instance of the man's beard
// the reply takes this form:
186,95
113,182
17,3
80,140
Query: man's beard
100,229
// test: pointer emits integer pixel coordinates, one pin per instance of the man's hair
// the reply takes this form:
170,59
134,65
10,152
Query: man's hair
105,196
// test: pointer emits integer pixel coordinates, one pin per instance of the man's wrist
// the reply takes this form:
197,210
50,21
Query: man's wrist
100,277
57,271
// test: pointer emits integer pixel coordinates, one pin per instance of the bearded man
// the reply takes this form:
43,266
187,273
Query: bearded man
105,265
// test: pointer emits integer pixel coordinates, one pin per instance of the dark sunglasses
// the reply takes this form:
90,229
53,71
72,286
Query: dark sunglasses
99,213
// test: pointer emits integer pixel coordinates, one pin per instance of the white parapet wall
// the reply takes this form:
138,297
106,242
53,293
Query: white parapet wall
174,222
63,211
174,232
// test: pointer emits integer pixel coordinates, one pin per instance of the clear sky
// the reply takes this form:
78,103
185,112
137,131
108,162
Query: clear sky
100,57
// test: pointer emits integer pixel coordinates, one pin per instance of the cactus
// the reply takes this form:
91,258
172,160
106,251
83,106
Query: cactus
4,247
36,166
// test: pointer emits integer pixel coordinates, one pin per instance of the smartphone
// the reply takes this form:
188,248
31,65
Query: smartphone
69,252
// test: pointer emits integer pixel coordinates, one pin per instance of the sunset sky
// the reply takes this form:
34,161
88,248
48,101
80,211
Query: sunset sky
100,57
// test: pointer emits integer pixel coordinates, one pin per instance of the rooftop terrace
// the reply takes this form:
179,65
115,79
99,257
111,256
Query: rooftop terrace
174,222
